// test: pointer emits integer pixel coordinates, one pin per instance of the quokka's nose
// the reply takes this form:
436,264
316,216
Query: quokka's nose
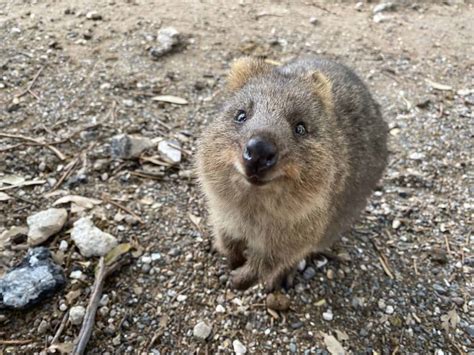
259,156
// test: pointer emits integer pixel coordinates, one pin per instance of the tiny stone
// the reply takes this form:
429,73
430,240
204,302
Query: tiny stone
63,245
128,103
359,6
330,274
313,20
381,304
416,156
379,18
43,327
239,348
155,256
385,6
181,298
396,224
302,265
220,309
128,146
77,274
202,330
76,314
94,16
328,315
170,151
63,307
293,347
389,309
309,273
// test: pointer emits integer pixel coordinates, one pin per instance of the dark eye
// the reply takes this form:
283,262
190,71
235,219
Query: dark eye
240,117
300,129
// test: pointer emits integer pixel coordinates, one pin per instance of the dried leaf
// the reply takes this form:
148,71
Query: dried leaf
24,183
4,197
333,346
12,180
450,320
81,201
341,335
195,219
63,348
170,99
113,255
439,86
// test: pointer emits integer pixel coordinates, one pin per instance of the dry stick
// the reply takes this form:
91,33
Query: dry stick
122,207
15,342
101,274
383,261
30,86
60,329
60,155
86,330
67,172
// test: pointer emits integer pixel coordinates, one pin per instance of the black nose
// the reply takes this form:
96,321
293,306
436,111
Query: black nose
259,156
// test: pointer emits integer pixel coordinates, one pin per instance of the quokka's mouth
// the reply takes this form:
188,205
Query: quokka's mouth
255,180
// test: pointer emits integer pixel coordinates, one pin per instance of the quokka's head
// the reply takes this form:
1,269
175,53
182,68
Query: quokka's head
274,132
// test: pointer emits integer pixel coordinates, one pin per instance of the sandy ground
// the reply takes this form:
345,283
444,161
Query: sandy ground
403,279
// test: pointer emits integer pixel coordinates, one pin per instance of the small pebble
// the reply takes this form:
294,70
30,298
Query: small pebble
328,315
239,348
76,314
389,309
202,330
309,273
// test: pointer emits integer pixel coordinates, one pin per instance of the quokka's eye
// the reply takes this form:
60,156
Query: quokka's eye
240,117
300,129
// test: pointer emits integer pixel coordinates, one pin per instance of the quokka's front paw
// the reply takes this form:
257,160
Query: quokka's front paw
276,281
243,277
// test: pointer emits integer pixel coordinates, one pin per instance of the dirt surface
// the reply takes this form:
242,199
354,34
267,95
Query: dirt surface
402,281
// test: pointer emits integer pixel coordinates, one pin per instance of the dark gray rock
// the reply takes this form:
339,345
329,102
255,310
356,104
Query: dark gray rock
34,279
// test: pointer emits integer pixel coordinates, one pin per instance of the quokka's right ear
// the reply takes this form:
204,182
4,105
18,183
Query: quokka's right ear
243,69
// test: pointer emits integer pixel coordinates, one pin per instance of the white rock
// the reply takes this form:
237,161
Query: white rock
220,309
155,256
302,265
63,307
90,240
359,6
169,152
385,6
389,310
379,18
417,156
77,274
202,330
181,298
328,315
44,224
63,245
313,20
76,314
396,224
239,348
93,15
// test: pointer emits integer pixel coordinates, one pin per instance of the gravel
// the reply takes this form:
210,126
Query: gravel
98,79
202,330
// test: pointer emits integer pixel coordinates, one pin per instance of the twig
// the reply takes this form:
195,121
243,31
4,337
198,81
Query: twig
86,330
146,175
15,342
60,155
25,183
105,198
10,147
60,329
30,86
101,274
67,172
448,249
383,260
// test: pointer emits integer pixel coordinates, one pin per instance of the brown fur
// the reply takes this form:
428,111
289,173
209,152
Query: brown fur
321,181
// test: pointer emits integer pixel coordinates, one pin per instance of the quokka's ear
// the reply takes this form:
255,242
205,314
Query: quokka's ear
243,69
322,88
